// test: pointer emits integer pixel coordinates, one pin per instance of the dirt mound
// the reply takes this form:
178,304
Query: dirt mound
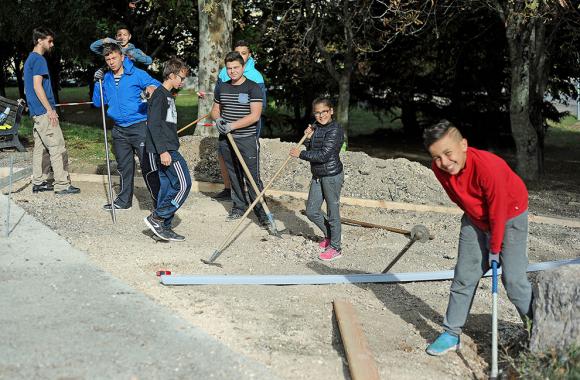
398,180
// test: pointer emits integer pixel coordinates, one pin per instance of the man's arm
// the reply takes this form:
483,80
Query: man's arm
39,90
253,117
215,111
138,56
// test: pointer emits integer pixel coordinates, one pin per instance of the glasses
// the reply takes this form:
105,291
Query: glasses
321,113
180,77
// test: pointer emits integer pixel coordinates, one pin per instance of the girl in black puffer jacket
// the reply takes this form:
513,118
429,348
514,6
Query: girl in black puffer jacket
325,139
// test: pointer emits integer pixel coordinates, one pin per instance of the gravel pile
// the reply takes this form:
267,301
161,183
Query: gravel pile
398,180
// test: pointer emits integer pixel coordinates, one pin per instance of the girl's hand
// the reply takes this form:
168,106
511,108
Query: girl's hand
295,152
309,131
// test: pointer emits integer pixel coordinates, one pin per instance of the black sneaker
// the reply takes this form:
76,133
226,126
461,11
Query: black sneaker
45,186
172,236
224,195
70,190
234,215
155,224
107,207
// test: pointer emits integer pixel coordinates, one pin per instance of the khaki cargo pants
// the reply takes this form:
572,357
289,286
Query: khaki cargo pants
49,151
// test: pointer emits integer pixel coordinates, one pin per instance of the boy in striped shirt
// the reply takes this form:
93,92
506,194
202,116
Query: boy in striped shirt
237,109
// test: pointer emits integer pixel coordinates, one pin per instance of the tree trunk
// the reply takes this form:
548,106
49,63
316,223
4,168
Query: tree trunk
343,105
215,41
529,75
411,127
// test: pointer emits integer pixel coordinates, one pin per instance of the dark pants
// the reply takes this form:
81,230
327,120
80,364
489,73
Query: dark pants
127,142
175,184
250,151
149,170
326,189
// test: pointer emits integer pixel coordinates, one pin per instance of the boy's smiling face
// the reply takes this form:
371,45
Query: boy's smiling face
449,153
123,36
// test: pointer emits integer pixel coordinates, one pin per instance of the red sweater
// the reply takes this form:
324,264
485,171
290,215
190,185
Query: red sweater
488,191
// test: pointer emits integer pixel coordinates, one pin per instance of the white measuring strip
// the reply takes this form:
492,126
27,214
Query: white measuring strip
334,279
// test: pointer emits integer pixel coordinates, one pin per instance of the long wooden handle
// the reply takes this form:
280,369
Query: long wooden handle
255,202
247,170
192,123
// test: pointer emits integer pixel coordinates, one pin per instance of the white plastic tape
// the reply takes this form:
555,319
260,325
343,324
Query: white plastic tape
323,279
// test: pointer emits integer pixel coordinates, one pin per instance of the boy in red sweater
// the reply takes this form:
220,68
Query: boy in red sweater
495,202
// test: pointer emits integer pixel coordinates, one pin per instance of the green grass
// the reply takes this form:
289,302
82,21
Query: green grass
82,125
554,364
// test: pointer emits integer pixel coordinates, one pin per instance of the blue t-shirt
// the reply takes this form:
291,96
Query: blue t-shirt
36,65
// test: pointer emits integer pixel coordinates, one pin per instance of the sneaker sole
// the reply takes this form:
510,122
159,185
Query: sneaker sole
154,230
178,240
439,353
331,259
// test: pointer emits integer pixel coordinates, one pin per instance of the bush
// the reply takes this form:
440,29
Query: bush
563,364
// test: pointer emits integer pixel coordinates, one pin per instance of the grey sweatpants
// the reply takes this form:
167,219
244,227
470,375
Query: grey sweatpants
326,189
472,263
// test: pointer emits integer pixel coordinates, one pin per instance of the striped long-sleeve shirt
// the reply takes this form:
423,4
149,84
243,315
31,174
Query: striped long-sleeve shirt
235,102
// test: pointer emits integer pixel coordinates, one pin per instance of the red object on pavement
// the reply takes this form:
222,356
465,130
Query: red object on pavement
163,273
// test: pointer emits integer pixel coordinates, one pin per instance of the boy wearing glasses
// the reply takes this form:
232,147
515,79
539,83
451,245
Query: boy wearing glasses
161,151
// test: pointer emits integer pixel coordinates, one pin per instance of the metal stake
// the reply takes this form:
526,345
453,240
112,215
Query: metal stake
7,219
494,371
111,198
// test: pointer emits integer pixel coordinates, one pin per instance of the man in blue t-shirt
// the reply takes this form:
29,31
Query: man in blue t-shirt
47,133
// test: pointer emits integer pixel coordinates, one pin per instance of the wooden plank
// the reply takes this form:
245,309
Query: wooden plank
360,359
374,203
16,176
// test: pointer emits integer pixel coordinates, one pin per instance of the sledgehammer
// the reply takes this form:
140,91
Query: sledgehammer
418,233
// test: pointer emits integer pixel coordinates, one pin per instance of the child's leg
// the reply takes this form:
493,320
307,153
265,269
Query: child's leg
177,183
313,204
331,187
235,175
468,271
150,175
514,261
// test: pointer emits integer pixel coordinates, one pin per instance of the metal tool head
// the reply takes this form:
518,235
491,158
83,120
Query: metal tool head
420,233
211,260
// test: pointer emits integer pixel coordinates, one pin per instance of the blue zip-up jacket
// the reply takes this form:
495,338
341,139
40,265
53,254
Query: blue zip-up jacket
124,102
130,51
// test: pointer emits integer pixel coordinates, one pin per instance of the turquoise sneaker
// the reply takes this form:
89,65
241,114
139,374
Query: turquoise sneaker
444,343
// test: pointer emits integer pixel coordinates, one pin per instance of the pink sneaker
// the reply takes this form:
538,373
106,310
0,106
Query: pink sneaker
330,254
324,243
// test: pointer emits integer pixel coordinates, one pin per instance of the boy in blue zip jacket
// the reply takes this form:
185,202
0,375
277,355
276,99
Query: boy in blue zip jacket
129,50
162,150
323,146
123,84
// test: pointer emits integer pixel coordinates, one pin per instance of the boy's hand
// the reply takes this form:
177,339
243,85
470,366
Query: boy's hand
99,74
309,131
223,126
149,91
493,257
165,158
109,40
295,152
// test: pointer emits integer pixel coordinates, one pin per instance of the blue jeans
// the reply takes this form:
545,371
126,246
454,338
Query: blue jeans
175,183
472,263
326,189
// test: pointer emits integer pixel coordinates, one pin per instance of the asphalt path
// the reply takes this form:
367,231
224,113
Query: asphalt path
61,317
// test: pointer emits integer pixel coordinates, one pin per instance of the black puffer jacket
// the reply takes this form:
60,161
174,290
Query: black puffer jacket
323,148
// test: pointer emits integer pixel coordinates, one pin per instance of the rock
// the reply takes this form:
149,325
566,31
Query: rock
556,309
